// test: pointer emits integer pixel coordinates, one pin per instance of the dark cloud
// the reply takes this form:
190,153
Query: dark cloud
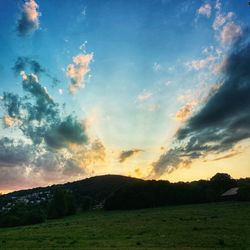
14,178
126,154
29,20
40,117
14,153
23,63
222,122
50,162
66,131
12,103
29,64
54,146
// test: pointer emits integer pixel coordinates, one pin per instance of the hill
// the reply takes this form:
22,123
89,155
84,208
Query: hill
97,188
112,192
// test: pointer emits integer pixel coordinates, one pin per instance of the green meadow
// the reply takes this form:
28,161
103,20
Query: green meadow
204,226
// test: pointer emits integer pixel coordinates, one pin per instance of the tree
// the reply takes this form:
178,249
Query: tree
62,204
244,192
221,182
86,203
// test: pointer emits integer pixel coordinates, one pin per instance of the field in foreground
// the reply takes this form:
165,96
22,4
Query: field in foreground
205,226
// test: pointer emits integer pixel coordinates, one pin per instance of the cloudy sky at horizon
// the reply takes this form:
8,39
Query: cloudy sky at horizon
151,89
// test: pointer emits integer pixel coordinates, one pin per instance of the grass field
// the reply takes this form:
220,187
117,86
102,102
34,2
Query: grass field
206,226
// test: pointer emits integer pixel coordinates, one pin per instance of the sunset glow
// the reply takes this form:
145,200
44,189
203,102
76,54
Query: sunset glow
150,89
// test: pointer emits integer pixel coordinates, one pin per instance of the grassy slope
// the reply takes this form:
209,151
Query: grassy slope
207,226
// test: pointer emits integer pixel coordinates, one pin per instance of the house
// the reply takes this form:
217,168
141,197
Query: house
230,194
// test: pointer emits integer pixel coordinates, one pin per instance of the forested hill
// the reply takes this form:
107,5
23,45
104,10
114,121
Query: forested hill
113,192
97,188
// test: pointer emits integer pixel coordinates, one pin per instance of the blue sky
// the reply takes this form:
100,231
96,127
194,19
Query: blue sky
139,70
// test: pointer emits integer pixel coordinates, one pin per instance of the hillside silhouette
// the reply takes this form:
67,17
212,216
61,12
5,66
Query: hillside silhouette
114,192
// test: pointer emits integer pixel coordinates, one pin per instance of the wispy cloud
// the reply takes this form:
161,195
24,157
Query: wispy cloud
145,95
157,67
235,151
127,154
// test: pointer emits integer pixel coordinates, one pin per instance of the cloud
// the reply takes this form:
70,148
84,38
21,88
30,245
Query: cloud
78,70
200,64
226,28
217,5
29,21
94,153
38,114
53,146
13,153
55,162
129,153
186,111
233,152
205,10
22,63
169,162
40,118
220,20
223,120
60,91
64,132
28,64
157,67
8,121
145,95
230,33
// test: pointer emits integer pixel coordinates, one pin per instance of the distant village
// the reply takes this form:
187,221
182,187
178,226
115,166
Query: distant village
31,199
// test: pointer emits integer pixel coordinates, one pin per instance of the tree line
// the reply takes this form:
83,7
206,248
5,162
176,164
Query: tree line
134,194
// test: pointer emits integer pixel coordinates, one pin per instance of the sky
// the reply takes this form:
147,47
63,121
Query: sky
154,89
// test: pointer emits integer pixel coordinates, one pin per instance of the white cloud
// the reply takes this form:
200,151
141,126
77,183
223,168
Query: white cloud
200,64
218,5
60,91
205,10
230,33
220,20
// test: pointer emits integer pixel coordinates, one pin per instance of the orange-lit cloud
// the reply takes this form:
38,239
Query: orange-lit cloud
29,20
78,70
232,153
186,111
8,121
